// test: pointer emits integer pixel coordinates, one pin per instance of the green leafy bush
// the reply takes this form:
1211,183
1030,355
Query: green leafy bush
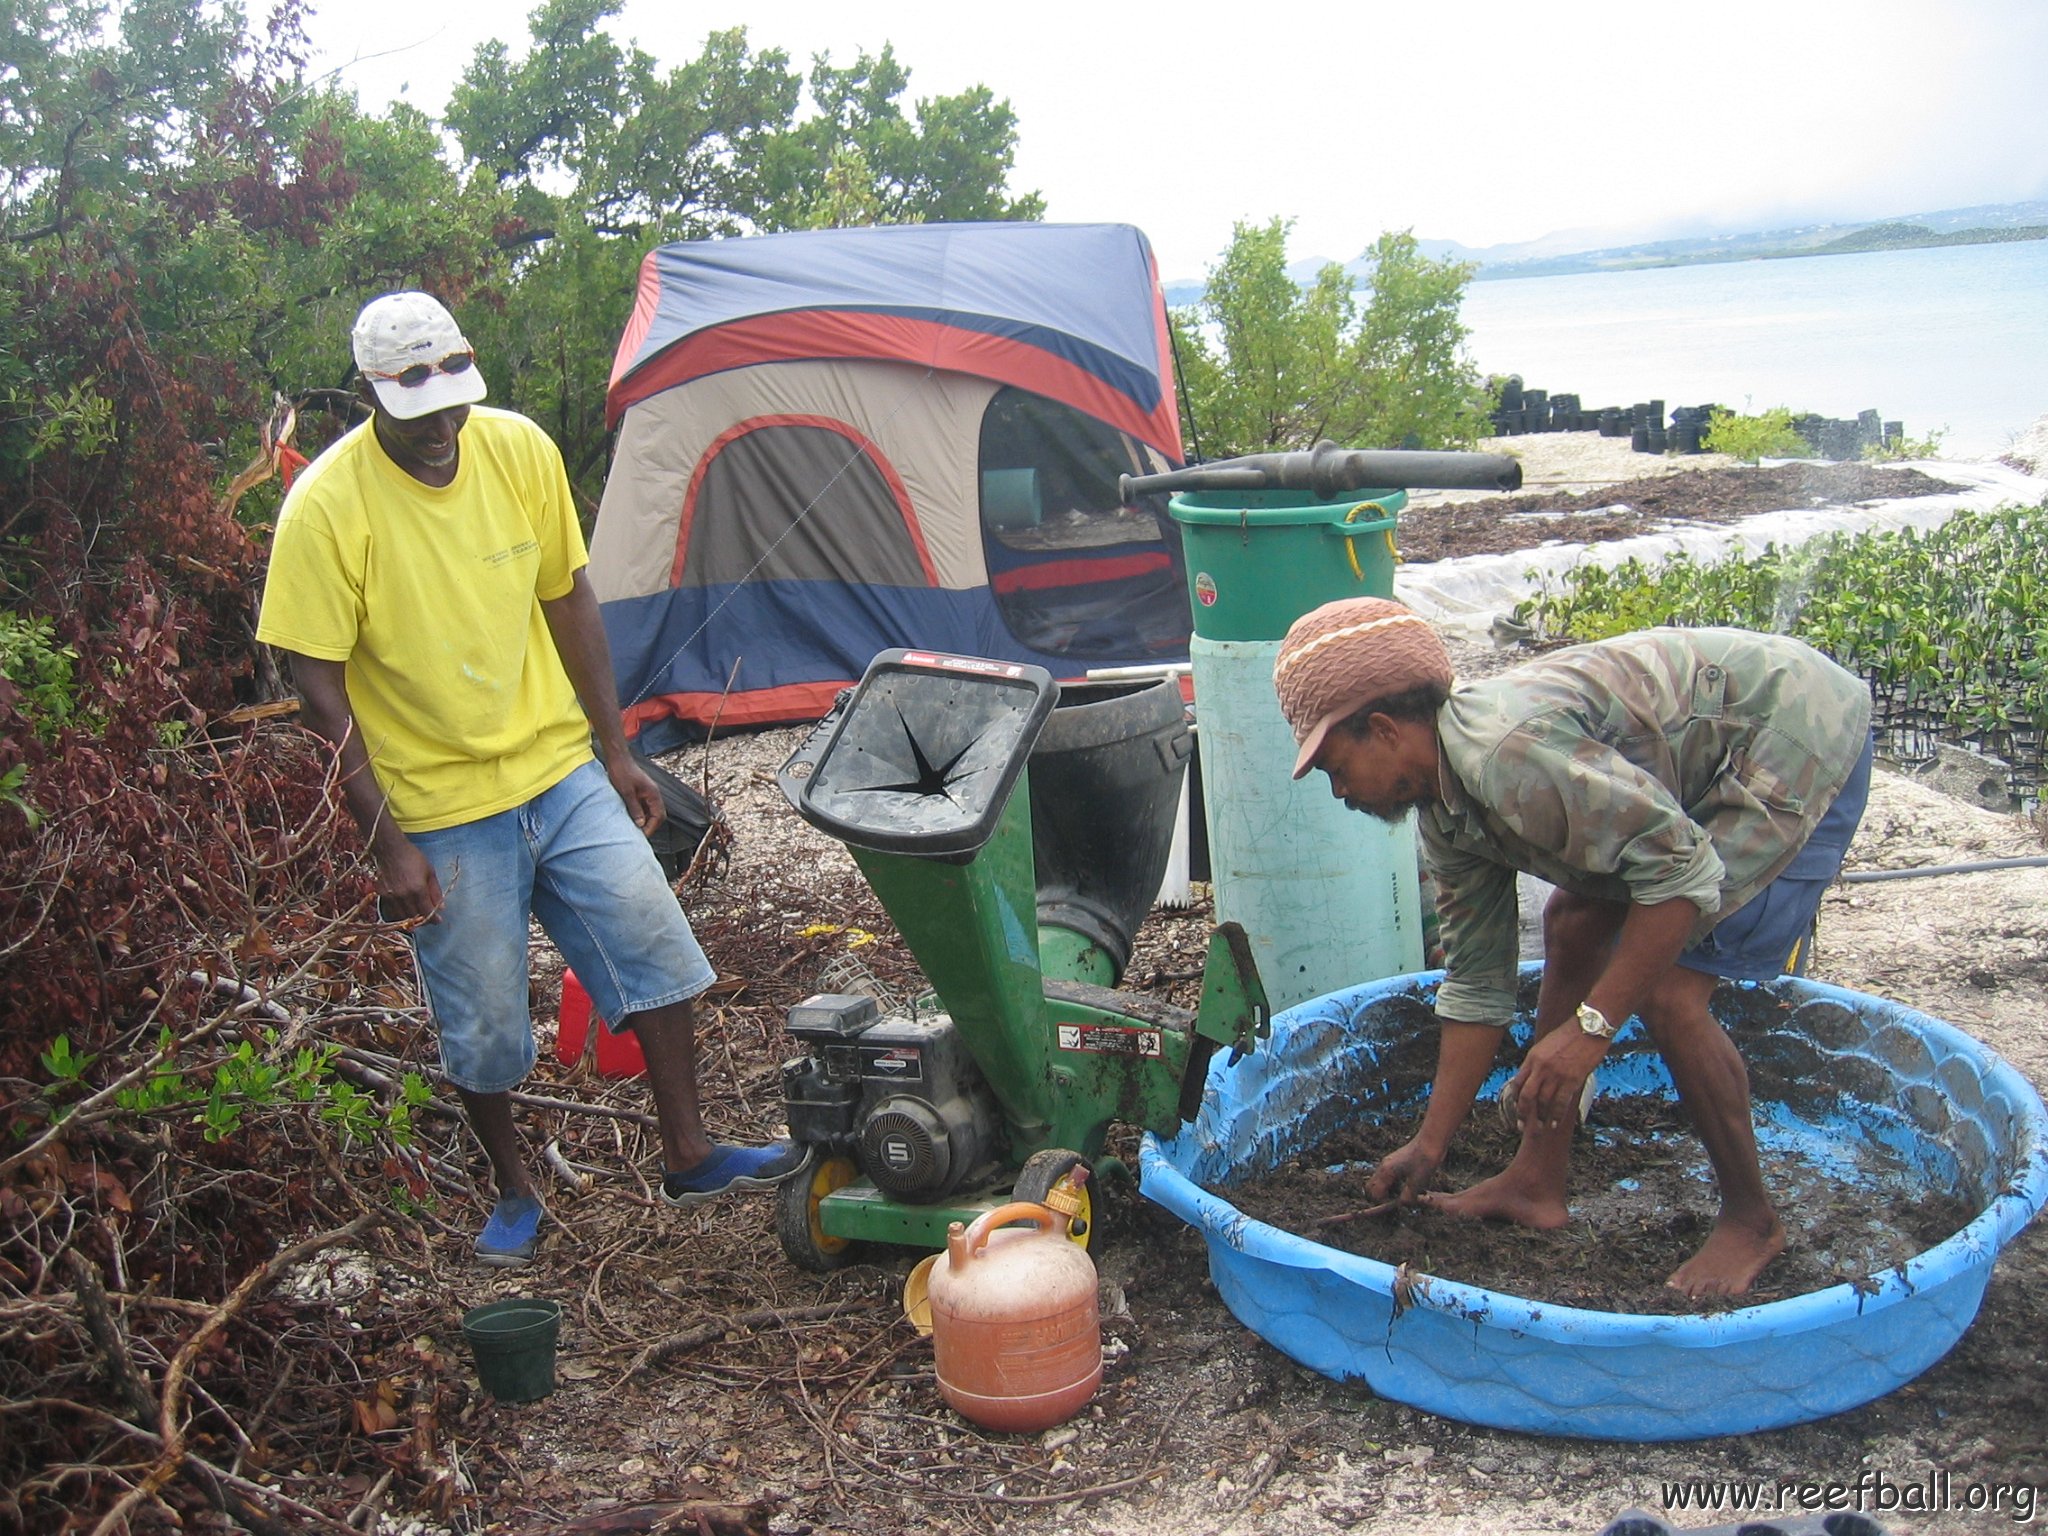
1949,626
1904,447
40,670
1767,435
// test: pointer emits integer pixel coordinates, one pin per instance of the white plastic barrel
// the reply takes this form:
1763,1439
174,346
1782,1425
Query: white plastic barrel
1328,897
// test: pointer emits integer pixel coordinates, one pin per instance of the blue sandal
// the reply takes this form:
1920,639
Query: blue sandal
513,1232
729,1169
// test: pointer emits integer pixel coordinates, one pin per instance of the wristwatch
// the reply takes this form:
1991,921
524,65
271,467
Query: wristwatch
1594,1022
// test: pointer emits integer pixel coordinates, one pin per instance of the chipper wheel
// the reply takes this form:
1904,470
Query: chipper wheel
1037,1181
796,1215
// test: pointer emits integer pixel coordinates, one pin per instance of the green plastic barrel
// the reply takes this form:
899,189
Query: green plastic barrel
1327,897
1258,560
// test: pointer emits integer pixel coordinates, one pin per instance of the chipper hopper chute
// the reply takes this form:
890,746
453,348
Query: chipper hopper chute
1005,1081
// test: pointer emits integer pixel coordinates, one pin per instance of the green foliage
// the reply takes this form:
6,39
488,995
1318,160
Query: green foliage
1270,364
1766,435
179,168
71,416
65,1064
1904,447
12,783
45,693
1950,624
218,1093
1419,387
596,154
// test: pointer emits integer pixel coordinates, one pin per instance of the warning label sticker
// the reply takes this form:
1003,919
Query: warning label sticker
963,664
1111,1040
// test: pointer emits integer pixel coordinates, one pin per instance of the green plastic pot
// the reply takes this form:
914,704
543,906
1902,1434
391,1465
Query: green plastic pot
513,1342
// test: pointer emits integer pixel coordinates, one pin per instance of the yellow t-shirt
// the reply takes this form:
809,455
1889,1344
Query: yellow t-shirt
431,596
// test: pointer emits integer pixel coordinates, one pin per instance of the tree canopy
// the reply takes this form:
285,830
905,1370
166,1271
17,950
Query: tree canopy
188,225
1270,363
169,172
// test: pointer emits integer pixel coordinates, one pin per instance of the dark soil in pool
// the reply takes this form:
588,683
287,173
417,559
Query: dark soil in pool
1501,524
1642,1199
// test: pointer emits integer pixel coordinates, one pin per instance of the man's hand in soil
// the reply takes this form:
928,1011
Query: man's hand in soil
1553,1076
1405,1175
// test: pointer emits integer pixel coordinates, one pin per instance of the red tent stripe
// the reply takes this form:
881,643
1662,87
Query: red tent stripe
1066,573
646,305
855,335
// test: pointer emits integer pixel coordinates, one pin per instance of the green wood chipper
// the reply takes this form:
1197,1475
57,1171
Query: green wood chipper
1018,901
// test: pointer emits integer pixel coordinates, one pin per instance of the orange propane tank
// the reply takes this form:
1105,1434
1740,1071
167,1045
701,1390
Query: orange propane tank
1015,1332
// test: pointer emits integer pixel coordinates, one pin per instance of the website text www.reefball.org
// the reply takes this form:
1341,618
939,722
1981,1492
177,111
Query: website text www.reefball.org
1870,1492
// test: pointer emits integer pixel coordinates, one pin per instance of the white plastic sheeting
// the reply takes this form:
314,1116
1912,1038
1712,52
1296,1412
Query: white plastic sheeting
1465,594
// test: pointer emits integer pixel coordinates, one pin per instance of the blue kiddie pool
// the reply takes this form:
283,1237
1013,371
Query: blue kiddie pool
1943,1112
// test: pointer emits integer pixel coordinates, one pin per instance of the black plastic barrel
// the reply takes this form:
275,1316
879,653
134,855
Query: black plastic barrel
1639,439
1105,791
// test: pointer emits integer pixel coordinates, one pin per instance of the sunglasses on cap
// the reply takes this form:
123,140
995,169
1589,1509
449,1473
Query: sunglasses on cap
419,373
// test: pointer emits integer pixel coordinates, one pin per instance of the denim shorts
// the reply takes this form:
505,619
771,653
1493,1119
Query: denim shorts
1766,936
572,858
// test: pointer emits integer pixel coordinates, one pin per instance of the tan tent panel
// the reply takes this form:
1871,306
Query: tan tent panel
841,498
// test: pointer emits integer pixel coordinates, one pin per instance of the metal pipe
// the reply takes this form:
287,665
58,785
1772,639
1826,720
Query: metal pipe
1154,672
1979,867
1329,470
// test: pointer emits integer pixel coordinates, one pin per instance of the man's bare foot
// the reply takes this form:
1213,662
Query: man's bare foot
1502,1198
1734,1254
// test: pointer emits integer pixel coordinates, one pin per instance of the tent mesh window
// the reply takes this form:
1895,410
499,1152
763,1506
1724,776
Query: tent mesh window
795,502
1074,571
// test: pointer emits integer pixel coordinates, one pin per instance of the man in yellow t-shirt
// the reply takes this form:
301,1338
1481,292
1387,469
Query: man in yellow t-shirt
427,583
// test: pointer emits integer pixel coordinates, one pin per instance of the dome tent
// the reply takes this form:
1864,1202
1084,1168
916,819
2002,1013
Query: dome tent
832,442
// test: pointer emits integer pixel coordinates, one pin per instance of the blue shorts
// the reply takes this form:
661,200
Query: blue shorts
1766,935
572,858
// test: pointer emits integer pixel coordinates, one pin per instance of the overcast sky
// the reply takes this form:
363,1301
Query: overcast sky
1483,121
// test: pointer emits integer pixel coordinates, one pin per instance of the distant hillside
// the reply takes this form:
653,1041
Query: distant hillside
1582,250
1906,237
1981,225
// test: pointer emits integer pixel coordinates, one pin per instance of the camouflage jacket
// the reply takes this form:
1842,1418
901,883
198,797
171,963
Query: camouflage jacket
1668,763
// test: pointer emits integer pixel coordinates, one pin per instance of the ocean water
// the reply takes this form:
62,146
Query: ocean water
1952,339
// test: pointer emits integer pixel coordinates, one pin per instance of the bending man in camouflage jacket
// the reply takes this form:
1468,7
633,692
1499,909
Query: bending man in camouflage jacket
1690,793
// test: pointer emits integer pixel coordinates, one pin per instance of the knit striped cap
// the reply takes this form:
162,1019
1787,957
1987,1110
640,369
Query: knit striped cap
1346,654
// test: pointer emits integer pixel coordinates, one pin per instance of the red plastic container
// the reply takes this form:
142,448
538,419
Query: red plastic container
618,1055
1016,1335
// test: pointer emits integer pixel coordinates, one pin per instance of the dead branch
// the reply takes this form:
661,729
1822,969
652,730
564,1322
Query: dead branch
170,1431
1276,1458
563,1169
1364,1214
705,1333
692,1516
229,1480
108,1337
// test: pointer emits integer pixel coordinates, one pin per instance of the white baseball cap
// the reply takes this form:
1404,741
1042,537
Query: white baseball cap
415,356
